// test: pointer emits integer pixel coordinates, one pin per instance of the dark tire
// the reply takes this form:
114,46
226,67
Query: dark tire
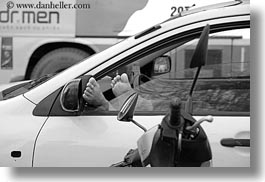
57,60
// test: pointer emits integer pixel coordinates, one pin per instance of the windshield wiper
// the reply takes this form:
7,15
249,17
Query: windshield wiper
38,81
25,86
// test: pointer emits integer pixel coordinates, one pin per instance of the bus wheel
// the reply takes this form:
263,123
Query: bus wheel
57,60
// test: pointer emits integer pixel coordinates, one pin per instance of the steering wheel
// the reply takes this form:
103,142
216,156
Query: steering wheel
139,79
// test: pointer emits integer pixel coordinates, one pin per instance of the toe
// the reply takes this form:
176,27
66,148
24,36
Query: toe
93,82
88,90
86,97
112,83
124,78
116,79
90,86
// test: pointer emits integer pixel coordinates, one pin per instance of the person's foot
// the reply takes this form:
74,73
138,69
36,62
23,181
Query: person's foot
120,84
93,95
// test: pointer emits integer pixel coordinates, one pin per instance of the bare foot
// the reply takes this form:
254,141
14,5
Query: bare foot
93,95
120,84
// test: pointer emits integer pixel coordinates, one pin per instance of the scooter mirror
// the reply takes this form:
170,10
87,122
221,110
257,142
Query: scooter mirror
199,57
127,110
198,60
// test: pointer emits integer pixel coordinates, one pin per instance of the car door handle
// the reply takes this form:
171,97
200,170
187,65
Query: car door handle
16,154
232,142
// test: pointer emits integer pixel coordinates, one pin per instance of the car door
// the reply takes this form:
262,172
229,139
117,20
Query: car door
223,91
158,72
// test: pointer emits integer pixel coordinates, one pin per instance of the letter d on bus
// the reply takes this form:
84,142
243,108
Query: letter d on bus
4,16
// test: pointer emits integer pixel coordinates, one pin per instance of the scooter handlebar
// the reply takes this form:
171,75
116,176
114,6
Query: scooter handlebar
208,118
175,107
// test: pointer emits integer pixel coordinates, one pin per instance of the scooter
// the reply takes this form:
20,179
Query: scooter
179,141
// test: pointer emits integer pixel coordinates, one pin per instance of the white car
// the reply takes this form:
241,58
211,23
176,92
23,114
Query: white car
40,125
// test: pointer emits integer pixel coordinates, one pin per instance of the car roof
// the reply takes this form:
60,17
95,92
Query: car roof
219,10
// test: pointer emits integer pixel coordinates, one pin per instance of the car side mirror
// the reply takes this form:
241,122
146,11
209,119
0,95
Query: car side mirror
71,99
162,65
127,110
70,96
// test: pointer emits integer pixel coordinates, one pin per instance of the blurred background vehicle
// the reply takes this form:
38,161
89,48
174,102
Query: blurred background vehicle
38,39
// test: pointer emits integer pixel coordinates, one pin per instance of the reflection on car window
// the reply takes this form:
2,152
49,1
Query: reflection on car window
223,85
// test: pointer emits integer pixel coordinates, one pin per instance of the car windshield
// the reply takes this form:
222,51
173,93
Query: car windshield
23,87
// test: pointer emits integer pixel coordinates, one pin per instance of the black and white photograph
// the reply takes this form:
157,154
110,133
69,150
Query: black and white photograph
92,84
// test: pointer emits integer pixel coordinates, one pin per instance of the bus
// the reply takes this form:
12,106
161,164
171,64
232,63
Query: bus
42,37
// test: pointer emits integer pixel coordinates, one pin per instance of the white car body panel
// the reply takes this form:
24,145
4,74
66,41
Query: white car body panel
102,140
18,131
96,141
228,127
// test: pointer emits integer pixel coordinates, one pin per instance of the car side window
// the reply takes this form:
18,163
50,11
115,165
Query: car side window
223,86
